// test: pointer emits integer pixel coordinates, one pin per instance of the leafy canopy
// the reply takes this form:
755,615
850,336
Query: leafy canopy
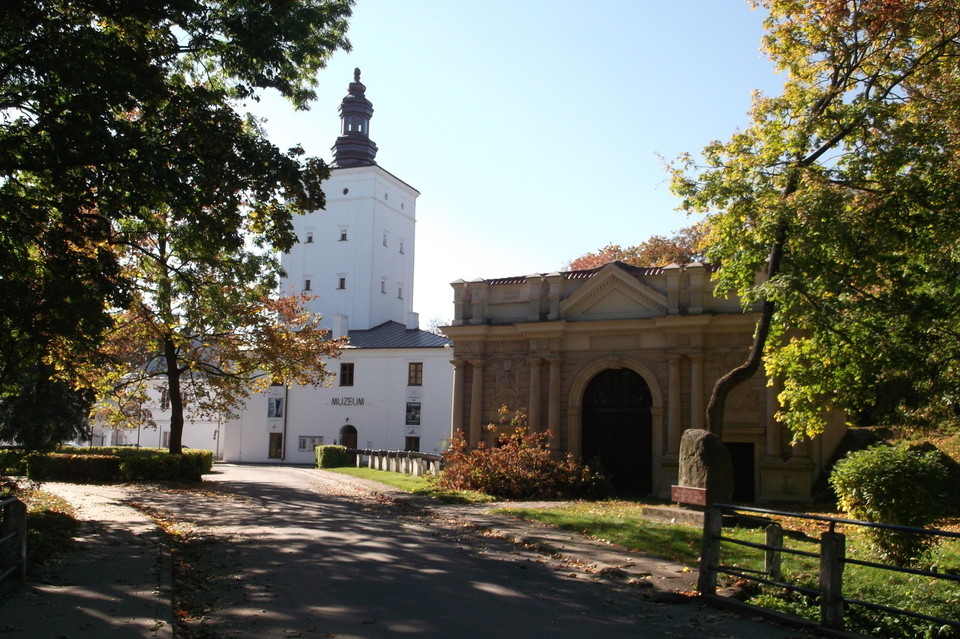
841,194
111,111
683,247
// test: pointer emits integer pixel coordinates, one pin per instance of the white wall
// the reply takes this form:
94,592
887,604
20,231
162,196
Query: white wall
376,202
375,405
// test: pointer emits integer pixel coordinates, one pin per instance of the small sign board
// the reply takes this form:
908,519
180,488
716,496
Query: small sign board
689,495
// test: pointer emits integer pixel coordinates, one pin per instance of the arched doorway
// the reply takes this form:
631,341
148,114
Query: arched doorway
348,436
617,429
348,439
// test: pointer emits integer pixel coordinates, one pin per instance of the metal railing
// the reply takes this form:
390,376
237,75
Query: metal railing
13,539
832,558
398,461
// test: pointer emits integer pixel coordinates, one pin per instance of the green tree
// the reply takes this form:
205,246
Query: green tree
685,246
841,194
110,111
204,327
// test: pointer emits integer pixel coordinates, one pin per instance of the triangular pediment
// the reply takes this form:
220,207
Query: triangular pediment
613,294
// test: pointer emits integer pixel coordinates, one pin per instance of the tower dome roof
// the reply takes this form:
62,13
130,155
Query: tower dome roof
354,146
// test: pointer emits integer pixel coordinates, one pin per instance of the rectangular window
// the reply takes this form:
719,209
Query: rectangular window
411,444
346,374
306,285
415,374
399,292
309,237
343,235
275,447
384,238
308,443
341,283
401,247
383,286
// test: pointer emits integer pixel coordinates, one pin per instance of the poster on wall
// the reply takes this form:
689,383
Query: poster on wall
413,414
275,407
276,400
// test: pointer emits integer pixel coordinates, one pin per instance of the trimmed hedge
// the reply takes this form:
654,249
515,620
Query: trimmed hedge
76,468
104,464
331,456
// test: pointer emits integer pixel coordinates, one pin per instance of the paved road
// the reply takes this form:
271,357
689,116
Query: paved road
314,557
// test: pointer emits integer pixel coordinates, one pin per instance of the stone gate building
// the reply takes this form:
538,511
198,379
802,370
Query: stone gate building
616,362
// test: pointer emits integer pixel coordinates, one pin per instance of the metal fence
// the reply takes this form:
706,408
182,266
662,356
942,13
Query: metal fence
13,539
410,463
832,559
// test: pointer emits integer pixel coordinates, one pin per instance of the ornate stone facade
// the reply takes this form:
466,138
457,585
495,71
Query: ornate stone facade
554,343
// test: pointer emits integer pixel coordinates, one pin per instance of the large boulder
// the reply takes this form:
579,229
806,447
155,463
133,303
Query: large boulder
705,463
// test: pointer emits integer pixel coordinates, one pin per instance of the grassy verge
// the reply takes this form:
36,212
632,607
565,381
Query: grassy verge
620,523
416,485
51,524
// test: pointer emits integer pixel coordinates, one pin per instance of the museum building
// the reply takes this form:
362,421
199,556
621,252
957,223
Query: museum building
392,384
616,362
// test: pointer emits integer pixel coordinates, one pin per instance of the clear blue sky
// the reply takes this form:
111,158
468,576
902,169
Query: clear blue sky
532,128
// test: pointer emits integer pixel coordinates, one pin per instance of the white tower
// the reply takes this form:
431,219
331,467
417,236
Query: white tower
357,256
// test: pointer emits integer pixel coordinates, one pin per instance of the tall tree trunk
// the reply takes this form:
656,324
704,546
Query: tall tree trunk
175,445
725,385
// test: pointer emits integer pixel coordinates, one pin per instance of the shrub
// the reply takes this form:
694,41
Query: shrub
892,485
77,468
331,456
150,467
113,463
13,461
521,466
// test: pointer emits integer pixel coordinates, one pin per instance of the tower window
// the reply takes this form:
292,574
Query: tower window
306,285
383,286
309,237
401,247
343,235
341,283
384,238
399,292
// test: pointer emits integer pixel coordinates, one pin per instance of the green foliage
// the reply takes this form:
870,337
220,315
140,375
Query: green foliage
331,456
74,468
521,466
113,114
108,463
892,485
13,461
42,411
834,212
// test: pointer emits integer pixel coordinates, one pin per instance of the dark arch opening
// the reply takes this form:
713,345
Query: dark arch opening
617,429
348,436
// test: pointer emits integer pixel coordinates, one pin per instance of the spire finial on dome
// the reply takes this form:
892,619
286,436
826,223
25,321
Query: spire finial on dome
354,146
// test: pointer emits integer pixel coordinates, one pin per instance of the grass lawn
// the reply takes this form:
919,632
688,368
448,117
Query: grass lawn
416,485
619,522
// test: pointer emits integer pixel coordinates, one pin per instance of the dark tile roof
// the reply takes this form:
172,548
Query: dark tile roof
396,335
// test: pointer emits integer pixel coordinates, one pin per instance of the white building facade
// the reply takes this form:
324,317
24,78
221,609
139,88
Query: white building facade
393,384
